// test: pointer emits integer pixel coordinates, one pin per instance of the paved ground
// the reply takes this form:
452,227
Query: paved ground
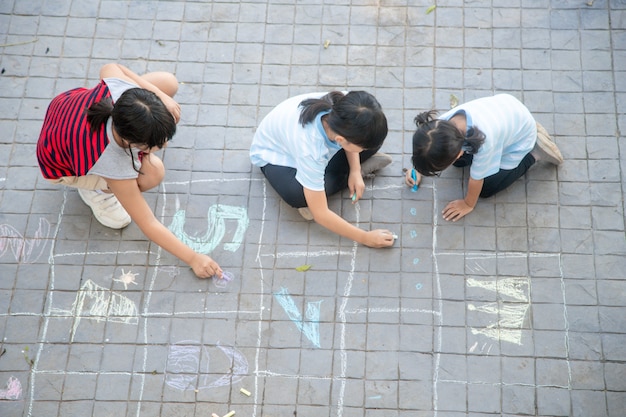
516,310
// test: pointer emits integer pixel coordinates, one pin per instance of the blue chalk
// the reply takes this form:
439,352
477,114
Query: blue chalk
414,176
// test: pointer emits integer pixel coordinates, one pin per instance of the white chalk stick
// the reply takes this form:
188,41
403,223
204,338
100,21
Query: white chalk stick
245,392
230,414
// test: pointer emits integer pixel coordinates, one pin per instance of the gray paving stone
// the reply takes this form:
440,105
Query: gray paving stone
403,332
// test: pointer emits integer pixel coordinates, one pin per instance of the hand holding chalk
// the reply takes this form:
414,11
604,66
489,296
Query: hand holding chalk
414,176
223,282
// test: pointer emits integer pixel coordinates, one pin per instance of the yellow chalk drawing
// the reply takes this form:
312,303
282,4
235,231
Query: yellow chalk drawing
509,311
100,304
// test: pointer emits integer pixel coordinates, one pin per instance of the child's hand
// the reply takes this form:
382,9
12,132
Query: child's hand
356,185
456,210
379,238
408,177
205,267
172,106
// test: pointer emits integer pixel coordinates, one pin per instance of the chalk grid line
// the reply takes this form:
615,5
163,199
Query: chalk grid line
343,311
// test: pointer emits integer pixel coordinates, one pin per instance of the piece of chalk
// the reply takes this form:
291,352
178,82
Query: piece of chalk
414,176
395,236
354,196
245,392
230,414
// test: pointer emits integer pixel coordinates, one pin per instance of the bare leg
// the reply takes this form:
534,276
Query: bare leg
152,172
164,81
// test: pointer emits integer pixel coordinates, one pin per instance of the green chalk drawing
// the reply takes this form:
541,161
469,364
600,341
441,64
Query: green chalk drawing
311,327
216,229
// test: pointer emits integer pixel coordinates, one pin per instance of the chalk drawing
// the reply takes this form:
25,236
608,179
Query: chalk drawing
223,282
172,271
24,249
510,310
310,328
184,362
13,390
216,229
126,278
100,304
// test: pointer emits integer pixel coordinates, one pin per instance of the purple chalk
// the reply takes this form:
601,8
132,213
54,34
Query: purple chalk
227,276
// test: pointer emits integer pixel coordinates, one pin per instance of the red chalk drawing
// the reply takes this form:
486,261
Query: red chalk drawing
13,390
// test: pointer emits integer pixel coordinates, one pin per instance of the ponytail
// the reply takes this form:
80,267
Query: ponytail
98,113
311,107
437,143
474,140
357,116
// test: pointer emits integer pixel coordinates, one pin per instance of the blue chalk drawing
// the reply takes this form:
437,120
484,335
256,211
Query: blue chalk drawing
416,261
216,228
418,286
311,327
413,234
413,211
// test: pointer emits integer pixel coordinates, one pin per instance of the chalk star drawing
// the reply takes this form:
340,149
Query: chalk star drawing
216,228
24,249
126,278
510,310
311,327
100,304
13,390
185,360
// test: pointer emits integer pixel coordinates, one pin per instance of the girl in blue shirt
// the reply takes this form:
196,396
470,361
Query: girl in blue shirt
312,146
497,136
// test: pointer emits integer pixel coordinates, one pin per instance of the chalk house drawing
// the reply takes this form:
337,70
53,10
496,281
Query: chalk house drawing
27,250
100,304
185,364
216,228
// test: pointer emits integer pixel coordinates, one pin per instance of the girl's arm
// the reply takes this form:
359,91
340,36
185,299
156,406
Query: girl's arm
130,197
318,205
355,179
457,209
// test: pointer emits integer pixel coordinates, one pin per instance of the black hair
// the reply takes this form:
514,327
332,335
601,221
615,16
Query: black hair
437,143
139,117
357,116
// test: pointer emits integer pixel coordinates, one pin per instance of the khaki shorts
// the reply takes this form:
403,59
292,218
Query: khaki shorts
87,182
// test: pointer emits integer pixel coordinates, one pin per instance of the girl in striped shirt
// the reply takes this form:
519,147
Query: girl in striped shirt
101,141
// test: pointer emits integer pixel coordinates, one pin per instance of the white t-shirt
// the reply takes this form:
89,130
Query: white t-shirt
281,140
510,132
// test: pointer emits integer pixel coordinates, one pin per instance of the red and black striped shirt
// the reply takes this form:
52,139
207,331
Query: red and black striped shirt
67,146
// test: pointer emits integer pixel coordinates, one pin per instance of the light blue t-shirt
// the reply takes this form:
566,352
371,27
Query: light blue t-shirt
510,132
281,140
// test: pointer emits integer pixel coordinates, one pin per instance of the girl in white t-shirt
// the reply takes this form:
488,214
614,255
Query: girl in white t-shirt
497,136
311,146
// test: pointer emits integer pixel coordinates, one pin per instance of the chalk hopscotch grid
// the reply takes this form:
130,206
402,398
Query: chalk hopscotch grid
145,314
